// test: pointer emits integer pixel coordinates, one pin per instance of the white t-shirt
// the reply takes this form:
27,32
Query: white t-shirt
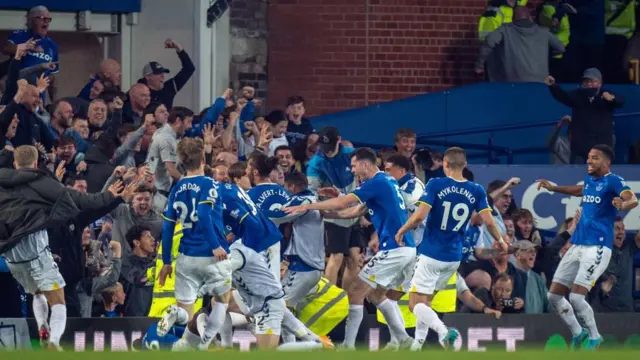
276,142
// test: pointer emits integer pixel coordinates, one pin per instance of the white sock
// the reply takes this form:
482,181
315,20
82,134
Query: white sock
41,310
565,310
214,323
422,330
190,338
238,320
182,317
287,336
58,323
300,345
296,327
226,332
394,340
353,325
396,326
585,312
430,318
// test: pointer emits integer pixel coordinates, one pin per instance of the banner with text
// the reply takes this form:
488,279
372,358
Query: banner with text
551,209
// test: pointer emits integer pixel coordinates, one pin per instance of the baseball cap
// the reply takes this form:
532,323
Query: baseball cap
592,74
328,138
154,68
525,245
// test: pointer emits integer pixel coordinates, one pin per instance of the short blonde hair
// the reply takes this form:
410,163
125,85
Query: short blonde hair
25,156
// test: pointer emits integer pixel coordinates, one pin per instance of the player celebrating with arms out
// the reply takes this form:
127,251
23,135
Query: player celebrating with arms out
450,200
380,195
603,195
203,249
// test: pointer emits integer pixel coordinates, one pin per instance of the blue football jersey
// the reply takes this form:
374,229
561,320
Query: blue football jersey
151,340
469,241
598,213
32,58
270,198
452,203
243,218
184,206
387,209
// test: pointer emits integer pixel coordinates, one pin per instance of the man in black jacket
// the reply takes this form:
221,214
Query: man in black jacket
591,115
32,200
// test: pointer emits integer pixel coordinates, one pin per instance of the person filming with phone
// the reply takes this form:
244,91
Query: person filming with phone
500,297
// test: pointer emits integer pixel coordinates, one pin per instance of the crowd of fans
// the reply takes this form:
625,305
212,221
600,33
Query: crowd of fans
107,134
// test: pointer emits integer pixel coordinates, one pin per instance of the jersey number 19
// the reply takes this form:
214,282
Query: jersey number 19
459,213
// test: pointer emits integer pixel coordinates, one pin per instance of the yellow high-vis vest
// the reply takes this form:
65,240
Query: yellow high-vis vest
563,32
323,310
165,296
619,20
443,302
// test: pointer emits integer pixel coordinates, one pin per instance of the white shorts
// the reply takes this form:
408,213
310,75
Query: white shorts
272,257
297,285
389,268
194,273
432,275
40,274
582,265
269,319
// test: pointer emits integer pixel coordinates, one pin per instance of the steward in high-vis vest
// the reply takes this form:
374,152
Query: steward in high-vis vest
547,17
444,302
499,12
620,17
620,25
165,296
323,310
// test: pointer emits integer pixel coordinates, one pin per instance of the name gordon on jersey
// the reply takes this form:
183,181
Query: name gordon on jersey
188,186
456,190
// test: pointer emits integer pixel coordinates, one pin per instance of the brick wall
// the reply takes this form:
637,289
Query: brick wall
249,45
342,54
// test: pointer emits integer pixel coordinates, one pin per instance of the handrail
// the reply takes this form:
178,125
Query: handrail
505,127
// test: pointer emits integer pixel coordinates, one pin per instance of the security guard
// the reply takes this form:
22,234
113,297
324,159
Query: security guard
620,22
499,12
547,17
164,296
324,309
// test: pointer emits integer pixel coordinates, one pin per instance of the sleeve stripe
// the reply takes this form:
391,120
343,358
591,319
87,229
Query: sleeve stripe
166,218
423,202
485,209
245,215
357,198
205,202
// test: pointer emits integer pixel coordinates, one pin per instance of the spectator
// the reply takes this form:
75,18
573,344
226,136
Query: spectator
498,13
285,159
616,288
304,151
99,276
591,113
522,50
552,14
46,50
331,167
162,158
112,297
97,116
137,285
134,108
299,127
154,73
61,122
405,142
501,296
620,17
560,146
279,124
427,164
110,74
536,292
81,126
31,129
509,227
525,229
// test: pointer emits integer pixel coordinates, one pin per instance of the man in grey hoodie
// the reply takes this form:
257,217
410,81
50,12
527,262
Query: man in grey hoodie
519,51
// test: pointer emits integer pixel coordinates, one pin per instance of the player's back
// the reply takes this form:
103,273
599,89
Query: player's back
246,221
270,198
387,209
182,207
452,202
598,213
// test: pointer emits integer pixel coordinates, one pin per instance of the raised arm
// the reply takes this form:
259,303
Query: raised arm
573,190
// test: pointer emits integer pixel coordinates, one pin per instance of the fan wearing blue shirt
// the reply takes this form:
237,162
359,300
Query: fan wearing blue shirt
380,196
269,198
447,205
603,195
202,262
46,50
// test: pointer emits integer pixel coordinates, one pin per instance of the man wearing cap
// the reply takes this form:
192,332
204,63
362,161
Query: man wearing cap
330,168
591,113
153,76
536,301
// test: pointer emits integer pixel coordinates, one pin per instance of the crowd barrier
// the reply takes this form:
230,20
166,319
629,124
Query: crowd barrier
478,332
